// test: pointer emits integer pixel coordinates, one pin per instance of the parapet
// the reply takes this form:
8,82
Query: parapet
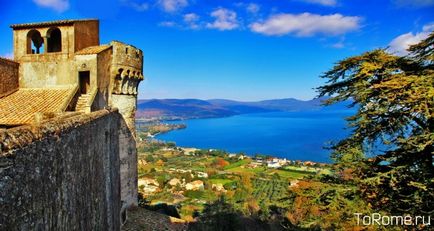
18,137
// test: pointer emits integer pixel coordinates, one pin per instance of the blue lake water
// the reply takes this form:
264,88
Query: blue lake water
293,135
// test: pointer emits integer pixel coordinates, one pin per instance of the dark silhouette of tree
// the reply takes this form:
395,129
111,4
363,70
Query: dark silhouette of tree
218,216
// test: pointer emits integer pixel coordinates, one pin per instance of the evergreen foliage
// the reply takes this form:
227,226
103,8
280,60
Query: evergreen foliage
391,146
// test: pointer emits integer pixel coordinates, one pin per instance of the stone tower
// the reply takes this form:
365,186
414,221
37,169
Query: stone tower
126,73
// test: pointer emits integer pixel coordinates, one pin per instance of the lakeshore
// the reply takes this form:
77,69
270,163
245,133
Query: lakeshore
291,135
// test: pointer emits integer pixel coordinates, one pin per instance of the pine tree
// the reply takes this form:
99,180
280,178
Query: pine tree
391,145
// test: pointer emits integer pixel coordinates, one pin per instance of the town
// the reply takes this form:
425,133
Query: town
185,179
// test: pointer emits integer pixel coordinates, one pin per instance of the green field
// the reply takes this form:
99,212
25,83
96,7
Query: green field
249,170
289,174
220,181
272,192
238,164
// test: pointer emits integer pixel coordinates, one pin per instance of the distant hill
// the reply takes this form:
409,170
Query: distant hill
288,104
180,108
196,108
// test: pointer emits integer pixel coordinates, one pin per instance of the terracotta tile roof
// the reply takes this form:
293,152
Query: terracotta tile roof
50,23
20,106
92,50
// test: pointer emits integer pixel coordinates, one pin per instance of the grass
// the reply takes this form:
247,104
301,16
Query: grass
289,174
205,195
300,169
249,170
238,163
220,181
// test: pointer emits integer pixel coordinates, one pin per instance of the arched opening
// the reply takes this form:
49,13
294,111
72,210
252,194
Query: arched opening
54,40
35,42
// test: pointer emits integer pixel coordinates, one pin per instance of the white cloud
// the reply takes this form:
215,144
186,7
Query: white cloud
57,5
167,24
306,24
322,2
191,17
191,20
400,44
171,6
338,45
253,8
224,20
414,3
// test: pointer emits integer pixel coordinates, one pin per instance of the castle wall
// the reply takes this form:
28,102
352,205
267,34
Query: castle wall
61,175
86,34
45,71
127,148
86,63
103,78
8,76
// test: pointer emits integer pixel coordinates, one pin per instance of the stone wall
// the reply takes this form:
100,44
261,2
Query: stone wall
103,78
62,174
8,76
86,34
127,148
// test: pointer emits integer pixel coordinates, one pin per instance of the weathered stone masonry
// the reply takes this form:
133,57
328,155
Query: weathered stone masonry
8,76
62,174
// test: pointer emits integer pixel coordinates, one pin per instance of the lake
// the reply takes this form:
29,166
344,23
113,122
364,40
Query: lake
291,135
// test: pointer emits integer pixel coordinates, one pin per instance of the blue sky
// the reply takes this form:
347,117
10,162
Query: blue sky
243,50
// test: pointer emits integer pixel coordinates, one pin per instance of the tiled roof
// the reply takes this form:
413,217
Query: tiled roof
20,106
92,50
50,23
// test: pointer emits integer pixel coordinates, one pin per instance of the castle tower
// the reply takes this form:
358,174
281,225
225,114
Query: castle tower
126,74
62,66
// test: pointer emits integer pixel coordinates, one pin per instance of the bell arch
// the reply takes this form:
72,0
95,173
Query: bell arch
54,40
35,42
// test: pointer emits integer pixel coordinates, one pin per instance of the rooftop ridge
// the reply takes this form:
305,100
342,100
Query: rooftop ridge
50,23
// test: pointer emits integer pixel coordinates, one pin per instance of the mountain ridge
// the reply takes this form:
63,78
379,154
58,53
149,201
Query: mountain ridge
196,108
